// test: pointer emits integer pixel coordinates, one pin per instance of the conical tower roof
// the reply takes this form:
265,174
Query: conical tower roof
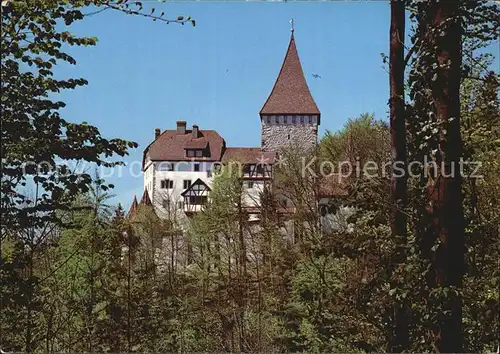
145,200
133,208
290,94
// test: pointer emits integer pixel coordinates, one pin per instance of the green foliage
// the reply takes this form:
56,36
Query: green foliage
362,138
312,314
79,276
481,132
37,142
55,249
437,139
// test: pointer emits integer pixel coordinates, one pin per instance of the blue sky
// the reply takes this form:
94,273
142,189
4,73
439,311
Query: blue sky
143,74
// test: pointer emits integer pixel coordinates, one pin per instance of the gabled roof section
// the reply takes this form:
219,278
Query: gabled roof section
290,94
171,146
196,186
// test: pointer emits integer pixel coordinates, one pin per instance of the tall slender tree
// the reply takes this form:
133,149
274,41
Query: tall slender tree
435,88
399,339
446,193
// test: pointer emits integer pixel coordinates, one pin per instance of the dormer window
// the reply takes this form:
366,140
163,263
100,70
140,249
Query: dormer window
194,152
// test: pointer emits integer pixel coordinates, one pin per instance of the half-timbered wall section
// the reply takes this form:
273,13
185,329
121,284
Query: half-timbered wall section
195,197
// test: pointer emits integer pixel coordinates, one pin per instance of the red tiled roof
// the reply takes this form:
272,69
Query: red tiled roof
145,200
199,143
249,155
331,186
133,208
171,146
290,94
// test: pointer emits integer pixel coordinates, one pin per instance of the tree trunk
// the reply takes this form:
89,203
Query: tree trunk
445,193
399,338
29,297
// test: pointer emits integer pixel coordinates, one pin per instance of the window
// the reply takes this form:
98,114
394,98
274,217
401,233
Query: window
293,119
196,167
165,166
194,153
179,204
301,119
310,119
250,184
167,184
166,203
267,170
187,183
198,200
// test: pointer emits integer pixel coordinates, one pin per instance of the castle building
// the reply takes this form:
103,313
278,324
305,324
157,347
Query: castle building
179,164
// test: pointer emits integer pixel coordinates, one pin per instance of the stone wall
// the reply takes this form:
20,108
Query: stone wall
275,137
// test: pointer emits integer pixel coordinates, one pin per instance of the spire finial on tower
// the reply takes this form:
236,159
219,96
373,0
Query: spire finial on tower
292,23
290,94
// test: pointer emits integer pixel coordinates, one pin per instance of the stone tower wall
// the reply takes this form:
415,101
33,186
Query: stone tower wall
276,136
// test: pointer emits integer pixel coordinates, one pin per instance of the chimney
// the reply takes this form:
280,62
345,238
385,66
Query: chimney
181,127
157,133
195,131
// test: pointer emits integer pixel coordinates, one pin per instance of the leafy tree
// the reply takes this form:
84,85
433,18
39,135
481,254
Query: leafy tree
480,129
435,134
362,139
39,185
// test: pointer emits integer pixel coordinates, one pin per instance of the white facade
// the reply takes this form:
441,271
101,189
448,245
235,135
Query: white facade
166,181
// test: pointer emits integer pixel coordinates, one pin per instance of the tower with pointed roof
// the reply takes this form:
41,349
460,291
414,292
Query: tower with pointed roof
289,114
